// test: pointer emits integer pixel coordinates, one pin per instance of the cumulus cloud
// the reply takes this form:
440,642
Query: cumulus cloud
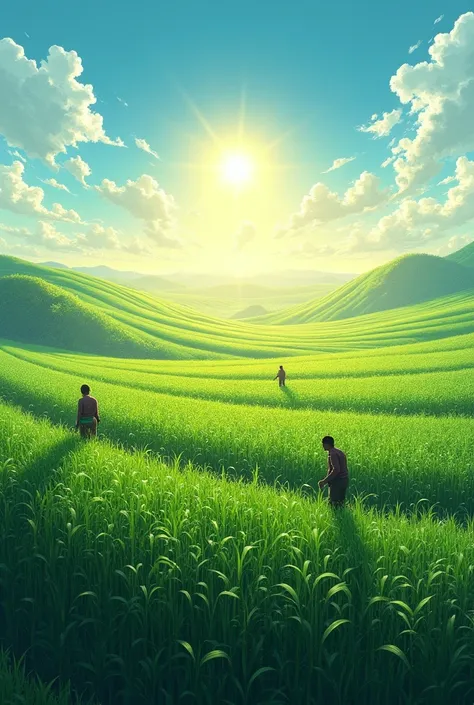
246,232
428,218
322,205
143,145
45,109
13,230
56,184
46,235
383,126
440,93
18,197
414,47
337,163
79,169
456,242
96,237
145,200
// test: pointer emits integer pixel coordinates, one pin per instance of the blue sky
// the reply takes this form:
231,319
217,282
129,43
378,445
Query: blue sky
309,74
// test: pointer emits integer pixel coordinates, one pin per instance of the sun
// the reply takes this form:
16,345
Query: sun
237,169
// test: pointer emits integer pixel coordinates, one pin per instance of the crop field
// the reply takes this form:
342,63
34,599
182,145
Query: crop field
187,556
164,584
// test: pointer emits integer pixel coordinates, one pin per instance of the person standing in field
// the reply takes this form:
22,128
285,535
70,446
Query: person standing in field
87,413
337,477
281,376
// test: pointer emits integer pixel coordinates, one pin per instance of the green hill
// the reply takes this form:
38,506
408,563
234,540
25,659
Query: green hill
464,256
34,311
135,324
406,281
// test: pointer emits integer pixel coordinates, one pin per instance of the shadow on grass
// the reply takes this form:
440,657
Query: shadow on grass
43,467
291,399
358,564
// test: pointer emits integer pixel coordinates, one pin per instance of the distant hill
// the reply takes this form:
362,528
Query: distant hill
407,280
464,256
34,311
55,265
154,284
81,312
250,312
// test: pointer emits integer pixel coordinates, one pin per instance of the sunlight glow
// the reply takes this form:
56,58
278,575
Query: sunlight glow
237,169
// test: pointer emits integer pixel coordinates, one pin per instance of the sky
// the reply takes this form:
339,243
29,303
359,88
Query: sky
235,138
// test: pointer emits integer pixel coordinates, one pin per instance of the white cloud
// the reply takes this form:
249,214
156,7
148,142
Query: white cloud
45,110
382,127
46,235
387,162
145,200
246,232
16,155
323,206
18,197
414,47
13,230
447,180
143,145
440,93
121,100
79,169
438,19
56,184
337,163
455,243
428,219
98,237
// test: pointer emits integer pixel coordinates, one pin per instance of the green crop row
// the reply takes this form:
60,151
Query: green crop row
142,583
424,393
398,459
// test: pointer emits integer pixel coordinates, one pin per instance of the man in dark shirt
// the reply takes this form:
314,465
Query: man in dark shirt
337,477
87,413
281,376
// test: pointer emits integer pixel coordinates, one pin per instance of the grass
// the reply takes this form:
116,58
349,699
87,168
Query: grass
399,459
164,330
321,384
143,583
405,281
19,688
187,557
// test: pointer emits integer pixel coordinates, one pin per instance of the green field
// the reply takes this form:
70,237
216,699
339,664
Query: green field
187,556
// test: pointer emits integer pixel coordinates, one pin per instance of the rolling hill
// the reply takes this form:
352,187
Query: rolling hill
464,256
406,281
153,328
250,312
34,311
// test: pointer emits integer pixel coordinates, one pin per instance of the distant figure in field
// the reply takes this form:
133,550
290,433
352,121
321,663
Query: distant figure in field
337,477
87,413
281,376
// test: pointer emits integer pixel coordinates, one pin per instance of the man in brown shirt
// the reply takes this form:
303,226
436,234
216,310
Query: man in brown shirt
87,413
337,477
281,376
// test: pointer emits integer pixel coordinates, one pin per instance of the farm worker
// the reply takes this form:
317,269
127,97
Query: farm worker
281,376
87,413
337,477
